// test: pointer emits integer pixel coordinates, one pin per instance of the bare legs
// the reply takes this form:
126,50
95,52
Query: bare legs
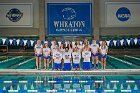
38,62
103,63
46,61
95,58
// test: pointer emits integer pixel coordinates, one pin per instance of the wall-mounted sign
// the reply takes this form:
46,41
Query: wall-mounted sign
69,18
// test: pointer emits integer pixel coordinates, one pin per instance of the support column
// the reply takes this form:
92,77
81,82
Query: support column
42,19
96,19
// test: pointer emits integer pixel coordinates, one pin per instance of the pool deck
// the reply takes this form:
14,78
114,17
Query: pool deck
51,72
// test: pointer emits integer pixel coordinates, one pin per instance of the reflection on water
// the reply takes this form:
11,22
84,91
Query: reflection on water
95,84
72,83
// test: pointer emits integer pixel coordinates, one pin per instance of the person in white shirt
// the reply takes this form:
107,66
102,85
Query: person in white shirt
86,42
46,54
38,53
57,57
86,54
94,49
53,46
76,59
67,59
62,48
79,46
103,54
69,45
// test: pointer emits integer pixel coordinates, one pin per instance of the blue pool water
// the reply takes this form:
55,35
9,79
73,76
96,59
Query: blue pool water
69,84
28,62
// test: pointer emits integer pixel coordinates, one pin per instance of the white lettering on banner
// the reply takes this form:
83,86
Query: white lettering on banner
14,15
124,15
79,24
68,30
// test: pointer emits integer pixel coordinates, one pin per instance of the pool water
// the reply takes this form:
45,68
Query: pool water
69,84
28,62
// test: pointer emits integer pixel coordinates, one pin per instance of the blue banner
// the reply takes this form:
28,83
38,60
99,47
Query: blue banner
69,18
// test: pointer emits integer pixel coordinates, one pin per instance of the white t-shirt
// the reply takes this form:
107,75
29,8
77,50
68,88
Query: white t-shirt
103,50
79,47
86,55
73,46
94,48
70,50
87,47
67,57
53,48
57,56
76,57
46,51
62,51
38,49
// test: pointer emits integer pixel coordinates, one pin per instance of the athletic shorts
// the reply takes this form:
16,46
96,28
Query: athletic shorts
103,56
86,65
67,66
57,66
48,57
76,65
40,55
94,54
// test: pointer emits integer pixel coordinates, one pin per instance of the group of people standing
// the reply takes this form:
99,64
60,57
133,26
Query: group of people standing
71,56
